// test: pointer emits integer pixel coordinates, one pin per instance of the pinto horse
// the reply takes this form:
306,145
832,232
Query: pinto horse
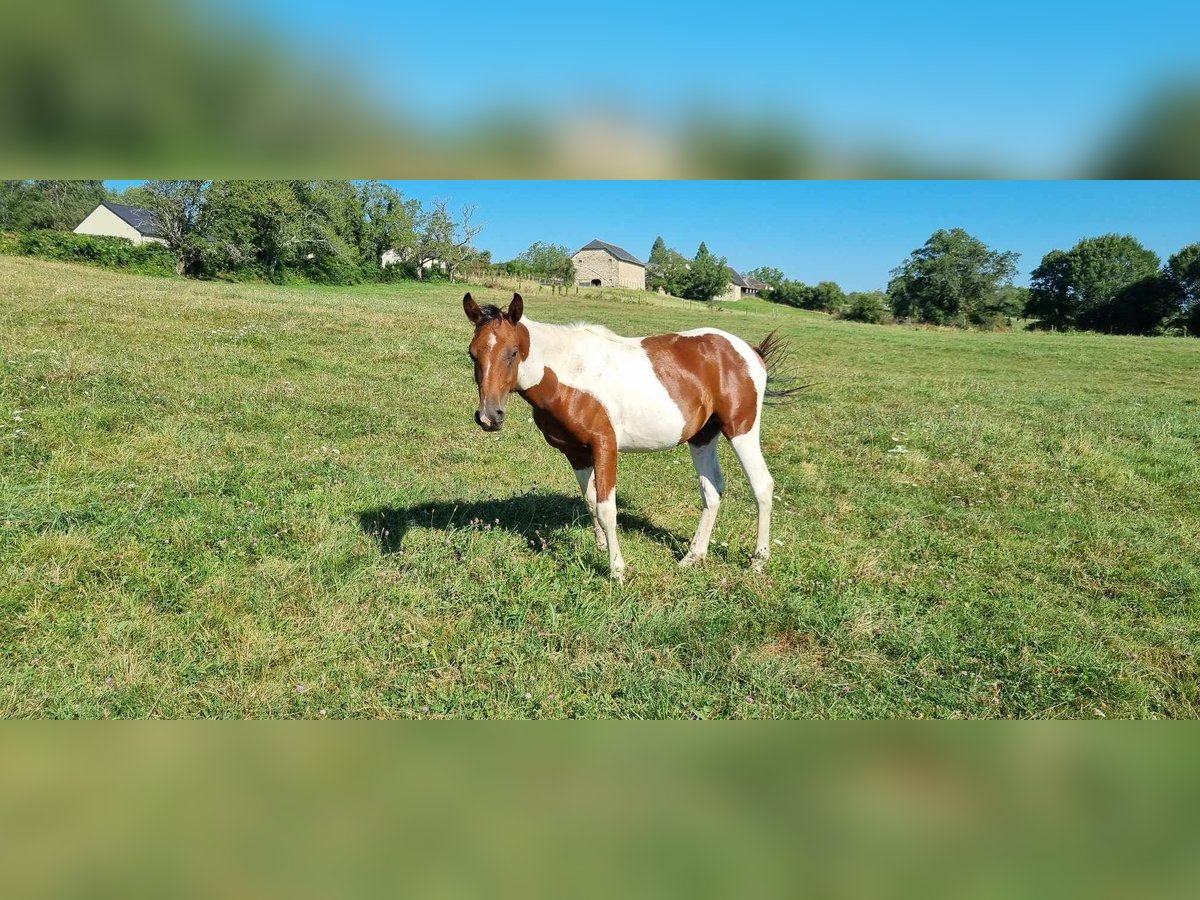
595,394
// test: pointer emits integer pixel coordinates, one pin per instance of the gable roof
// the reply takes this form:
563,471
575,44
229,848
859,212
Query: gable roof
754,283
141,219
736,278
621,254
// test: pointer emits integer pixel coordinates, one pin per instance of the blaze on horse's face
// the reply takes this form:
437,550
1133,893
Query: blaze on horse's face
496,351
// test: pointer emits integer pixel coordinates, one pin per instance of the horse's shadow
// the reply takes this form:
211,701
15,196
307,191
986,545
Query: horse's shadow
533,517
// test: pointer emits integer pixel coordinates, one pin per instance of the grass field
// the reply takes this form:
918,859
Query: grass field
232,500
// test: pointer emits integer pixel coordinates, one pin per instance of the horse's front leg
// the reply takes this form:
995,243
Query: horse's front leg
587,484
605,455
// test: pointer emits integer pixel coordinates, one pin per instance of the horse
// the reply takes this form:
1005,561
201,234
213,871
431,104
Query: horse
595,394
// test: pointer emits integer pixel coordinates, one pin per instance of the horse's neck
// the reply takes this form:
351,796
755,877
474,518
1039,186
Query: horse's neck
548,348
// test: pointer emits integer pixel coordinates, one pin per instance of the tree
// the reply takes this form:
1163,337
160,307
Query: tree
792,293
1051,302
1182,274
16,200
864,306
60,205
268,226
954,278
549,261
827,296
175,207
666,268
389,222
1011,301
1103,284
768,275
706,278
443,241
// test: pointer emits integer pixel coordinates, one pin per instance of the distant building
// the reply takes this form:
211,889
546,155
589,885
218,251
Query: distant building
754,287
395,258
600,264
742,286
115,220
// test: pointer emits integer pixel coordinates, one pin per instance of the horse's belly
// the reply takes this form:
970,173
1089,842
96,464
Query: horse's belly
650,423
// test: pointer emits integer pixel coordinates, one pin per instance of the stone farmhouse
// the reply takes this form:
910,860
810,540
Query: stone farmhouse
742,286
600,264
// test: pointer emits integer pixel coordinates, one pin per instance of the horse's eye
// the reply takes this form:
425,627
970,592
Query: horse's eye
512,354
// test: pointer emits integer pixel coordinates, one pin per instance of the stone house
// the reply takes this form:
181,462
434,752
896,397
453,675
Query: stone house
600,264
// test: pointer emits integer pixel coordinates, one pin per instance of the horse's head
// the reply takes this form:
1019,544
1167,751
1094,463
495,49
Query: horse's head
496,350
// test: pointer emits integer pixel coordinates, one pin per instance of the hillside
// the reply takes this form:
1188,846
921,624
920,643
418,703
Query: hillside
241,500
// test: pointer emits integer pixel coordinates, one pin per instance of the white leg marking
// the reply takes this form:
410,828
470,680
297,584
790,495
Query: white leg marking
749,454
587,484
606,510
712,486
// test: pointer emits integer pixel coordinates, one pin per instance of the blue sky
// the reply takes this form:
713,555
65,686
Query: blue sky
851,232
1031,84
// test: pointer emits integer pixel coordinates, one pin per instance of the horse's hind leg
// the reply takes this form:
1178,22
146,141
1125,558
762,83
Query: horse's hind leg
749,454
712,486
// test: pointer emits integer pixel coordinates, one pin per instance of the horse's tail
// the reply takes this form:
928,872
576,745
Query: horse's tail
782,387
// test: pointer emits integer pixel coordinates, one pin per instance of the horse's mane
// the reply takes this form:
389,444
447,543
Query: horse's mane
598,330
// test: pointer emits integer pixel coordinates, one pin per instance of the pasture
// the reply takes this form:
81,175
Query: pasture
224,500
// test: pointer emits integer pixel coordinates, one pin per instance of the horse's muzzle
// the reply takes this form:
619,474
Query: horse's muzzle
493,422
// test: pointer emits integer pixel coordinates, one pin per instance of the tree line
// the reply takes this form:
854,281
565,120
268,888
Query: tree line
1110,283
325,231
704,277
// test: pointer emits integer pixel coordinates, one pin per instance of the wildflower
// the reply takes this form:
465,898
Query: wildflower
300,689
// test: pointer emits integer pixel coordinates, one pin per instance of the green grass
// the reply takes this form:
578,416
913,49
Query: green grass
233,500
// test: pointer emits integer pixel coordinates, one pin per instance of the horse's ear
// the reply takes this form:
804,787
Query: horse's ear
515,309
471,308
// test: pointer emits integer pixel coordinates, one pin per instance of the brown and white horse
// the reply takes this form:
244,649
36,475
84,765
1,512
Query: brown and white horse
595,394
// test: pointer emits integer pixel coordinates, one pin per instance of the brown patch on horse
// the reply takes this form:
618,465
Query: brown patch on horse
709,382
576,423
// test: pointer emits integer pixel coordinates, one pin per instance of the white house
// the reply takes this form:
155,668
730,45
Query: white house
114,220
606,265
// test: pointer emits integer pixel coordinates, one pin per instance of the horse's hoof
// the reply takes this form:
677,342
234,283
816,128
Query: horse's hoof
691,560
758,563
617,575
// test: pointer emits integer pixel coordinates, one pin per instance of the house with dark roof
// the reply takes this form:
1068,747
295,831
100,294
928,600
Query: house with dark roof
742,286
600,264
117,220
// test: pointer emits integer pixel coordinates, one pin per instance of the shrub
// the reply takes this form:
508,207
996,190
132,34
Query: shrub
107,252
864,306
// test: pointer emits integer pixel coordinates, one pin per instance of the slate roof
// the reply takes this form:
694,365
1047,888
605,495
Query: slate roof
736,278
141,219
618,252
754,284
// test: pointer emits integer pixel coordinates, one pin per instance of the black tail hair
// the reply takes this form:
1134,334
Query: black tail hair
782,387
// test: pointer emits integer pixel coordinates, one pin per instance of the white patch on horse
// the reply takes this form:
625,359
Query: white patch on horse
616,371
